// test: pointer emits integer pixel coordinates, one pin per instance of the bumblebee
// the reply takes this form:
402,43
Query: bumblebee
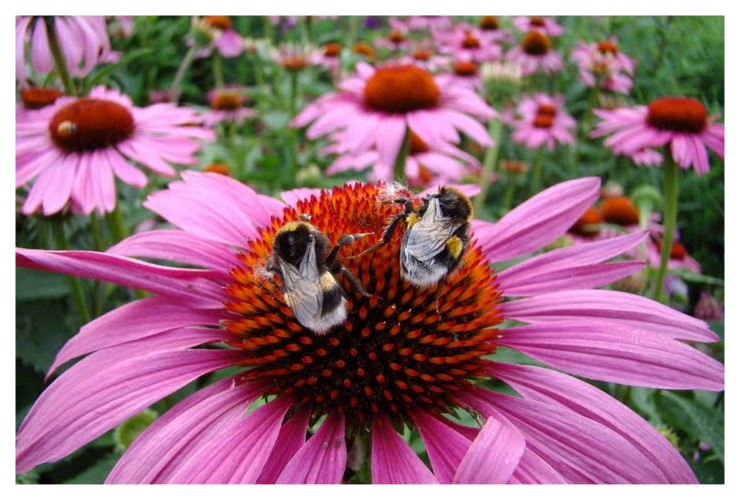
301,256
436,236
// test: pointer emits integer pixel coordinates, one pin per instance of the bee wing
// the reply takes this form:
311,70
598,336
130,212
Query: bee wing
302,286
426,239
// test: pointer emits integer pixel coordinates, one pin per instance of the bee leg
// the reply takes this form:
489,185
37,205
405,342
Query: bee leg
347,239
353,281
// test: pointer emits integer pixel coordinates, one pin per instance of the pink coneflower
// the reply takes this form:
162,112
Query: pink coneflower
83,41
396,40
602,64
679,257
491,30
227,105
542,121
329,56
224,38
535,54
401,359
546,25
34,98
467,43
466,74
425,166
425,57
681,122
75,147
374,108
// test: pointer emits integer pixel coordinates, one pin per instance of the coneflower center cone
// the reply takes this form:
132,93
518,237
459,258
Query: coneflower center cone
536,43
218,22
620,210
465,68
608,47
39,97
400,89
88,124
470,41
677,114
401,349
489,23
227,101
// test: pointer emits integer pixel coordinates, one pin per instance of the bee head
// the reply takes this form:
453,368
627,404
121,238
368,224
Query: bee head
454,203
292,240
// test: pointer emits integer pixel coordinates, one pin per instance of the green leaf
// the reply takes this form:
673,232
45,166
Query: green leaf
98,472
643,400
275,120
701,422
41,330
33,285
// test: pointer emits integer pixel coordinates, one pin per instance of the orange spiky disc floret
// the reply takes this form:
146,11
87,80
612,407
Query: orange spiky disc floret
401,348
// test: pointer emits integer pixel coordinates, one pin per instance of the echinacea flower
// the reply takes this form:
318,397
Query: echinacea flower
83,41
679,122
395,41
295,57
34,98
467,43
543,121
227,105
425,166
222,36
466,74
374,108
491,30
546,25
535,54
76,147
404,357
602,64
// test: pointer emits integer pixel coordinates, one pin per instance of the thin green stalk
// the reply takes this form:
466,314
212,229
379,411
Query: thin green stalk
117,224
670,212
293,97
60,63
537,168
78,295
489,164
218,70
508,194
399,166
176,87
96,231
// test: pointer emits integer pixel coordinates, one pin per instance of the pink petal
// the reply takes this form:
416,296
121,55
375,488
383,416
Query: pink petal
445,446
293,196
322,459
157,452
291,438
392,459
547,385
606,350
533,469
103,390
389,136
597,305
132,322
537,221
238,453
493,456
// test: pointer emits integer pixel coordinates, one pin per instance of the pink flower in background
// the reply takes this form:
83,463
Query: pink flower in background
466,74
546,25
378,370
647,157
535,54
543,121
373,109
425,166
679,122
221,35
396,40
424,56
33,99
227,105
75,148
467,43
491,30
602,64
83,41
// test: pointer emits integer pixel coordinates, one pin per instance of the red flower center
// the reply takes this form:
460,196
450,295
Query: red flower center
332,49
293,62
678,114
588,223
226,100
218,22
363,49
545,116
421,55
401,89
400,349
417,144
396,36
89,124
538,22
536,43
489,23
39,97
470,41
465,68
218,168
608,47
620,210
547,109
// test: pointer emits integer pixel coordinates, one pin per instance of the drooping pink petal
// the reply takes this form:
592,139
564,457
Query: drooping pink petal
493,456
322,459
293,196
445,446
178,246
550,386
229,44
392,459
625,308
537,221
155,454
606,350
131,322
581,449
103,390
291,438
533,469
238,452
194,285
389,137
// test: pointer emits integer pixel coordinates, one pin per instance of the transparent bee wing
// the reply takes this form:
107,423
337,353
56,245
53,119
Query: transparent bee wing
426,239
302,287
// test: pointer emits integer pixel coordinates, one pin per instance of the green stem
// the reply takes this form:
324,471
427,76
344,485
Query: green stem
508,194
537,171
60,62
670,212
176,87
218,70
489,164
97,233
399,166
75,284
293,97
117,224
